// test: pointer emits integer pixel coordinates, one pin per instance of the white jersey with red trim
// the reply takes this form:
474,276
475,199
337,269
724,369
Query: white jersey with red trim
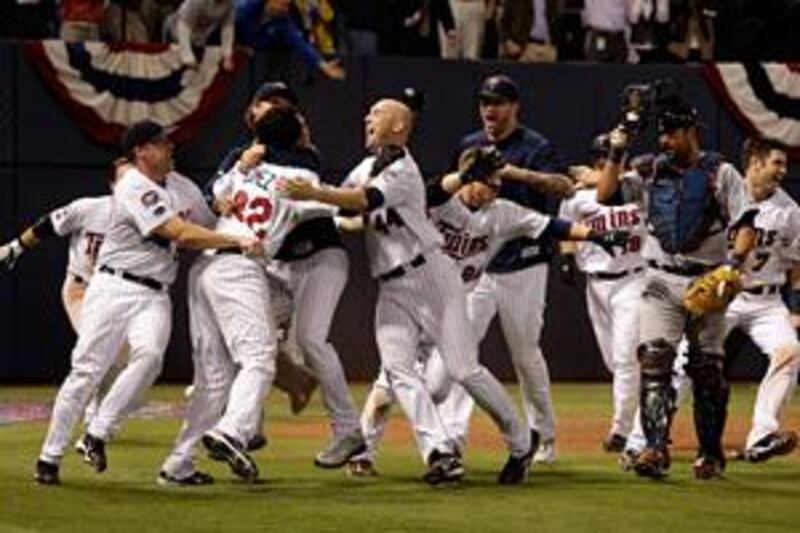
86,221
260,209
591,258
472,238
778,240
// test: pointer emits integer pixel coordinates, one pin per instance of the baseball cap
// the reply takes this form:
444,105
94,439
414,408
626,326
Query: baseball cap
275,89
601,145
414,98
499,87
141,133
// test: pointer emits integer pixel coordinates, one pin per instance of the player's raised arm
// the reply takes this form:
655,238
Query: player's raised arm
609,182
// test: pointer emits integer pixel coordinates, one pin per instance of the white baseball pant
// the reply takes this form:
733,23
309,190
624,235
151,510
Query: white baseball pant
114,311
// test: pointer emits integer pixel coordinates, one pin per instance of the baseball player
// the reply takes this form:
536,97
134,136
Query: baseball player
759,310
613,289
128,299
689,200
234,335
420,300
317,267
85,221
474,224
515,282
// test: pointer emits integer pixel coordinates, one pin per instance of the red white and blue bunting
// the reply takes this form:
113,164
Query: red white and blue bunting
764,98
107,87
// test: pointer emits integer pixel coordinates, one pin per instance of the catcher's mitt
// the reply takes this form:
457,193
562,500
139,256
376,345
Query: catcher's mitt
713,291
479,163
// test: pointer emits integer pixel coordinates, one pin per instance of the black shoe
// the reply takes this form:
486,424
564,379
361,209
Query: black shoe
516,469
443,468
652,463
706,467
256,443
196,478
95,452
614,443
536,439
221,447
46,473
778,443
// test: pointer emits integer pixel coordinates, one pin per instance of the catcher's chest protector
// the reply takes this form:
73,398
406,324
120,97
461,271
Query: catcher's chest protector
682,206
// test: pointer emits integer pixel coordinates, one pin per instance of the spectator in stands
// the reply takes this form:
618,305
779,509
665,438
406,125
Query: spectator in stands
81,20
263,24
650,29
693,30
607,30
124,23
410,27
319,18
470,23
526,30
196,21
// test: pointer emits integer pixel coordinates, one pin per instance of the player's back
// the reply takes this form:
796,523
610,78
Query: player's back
86,221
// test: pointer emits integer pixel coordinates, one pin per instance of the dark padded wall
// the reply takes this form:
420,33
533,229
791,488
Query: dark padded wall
45,161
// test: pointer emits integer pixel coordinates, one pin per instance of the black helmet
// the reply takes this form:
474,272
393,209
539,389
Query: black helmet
677,115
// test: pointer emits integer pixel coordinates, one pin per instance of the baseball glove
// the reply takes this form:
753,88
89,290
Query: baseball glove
609,241
479,163
713,291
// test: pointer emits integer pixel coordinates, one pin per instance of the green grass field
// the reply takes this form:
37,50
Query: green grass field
584,491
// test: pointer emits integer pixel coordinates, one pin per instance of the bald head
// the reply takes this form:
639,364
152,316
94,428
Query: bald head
388,122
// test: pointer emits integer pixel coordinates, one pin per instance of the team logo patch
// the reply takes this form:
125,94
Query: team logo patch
150,198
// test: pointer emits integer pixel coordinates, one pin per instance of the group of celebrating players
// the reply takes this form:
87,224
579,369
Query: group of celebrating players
678,249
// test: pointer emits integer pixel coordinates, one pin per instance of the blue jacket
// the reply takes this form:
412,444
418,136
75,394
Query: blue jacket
260,34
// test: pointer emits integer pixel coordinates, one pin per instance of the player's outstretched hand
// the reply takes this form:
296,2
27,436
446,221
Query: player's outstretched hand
9,253
251,246
297,189
610,241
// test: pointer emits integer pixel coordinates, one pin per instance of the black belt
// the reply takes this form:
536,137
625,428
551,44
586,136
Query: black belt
689,270
150,283
402,270
763,289
234,251
603,276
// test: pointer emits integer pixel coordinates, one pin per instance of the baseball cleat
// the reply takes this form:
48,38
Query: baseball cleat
221,447
80,446
46,473
627,459
516,469
614,443
194,479
95,452
652,463
708,467
257,442
361,468
341,450
774,444
443,468
546,453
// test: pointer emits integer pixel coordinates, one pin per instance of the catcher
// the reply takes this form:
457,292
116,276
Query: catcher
688,200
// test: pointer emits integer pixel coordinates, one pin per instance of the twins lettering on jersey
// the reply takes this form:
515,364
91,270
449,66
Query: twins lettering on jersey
460,245
624,217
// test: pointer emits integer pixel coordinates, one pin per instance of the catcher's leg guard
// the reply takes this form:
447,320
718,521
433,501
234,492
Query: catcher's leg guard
657,397
711,393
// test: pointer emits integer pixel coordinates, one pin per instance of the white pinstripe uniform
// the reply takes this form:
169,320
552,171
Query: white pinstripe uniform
471,239
422,302
613,289
234,336
117,310
86,221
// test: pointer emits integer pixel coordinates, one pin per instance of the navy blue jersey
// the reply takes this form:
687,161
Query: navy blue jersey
524,148
308,237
